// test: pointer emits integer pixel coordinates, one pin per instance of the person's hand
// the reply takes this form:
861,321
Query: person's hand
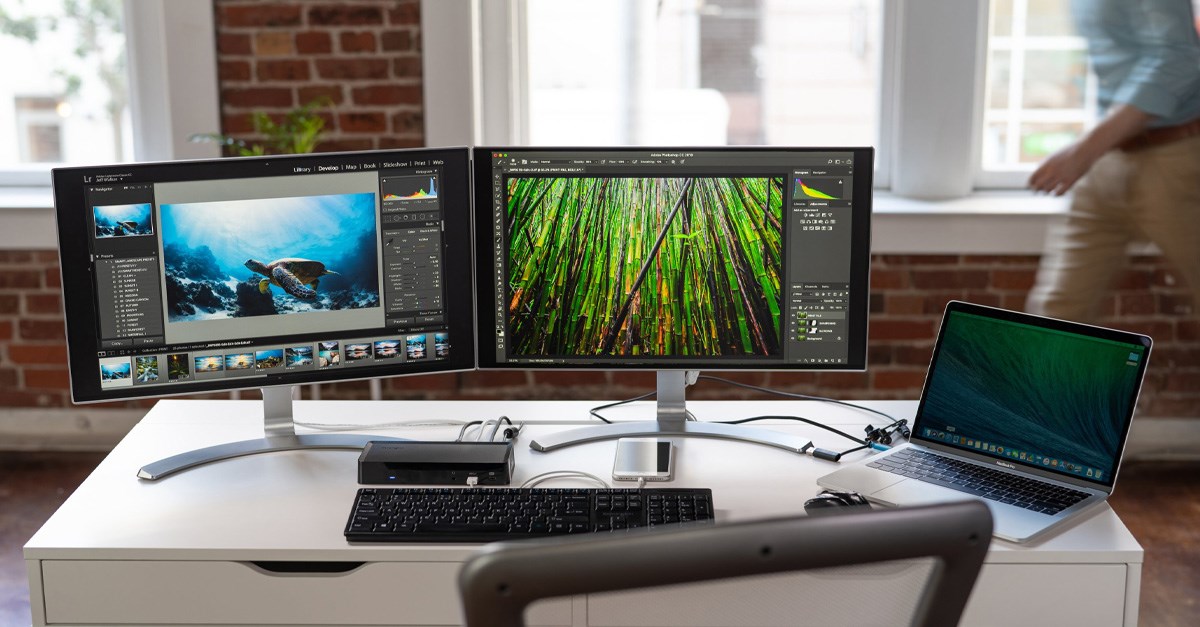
1062,169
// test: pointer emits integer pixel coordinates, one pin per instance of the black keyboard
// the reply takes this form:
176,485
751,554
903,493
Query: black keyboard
988,483
489,514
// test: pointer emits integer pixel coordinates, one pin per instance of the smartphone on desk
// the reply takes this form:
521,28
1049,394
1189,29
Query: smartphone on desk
644,458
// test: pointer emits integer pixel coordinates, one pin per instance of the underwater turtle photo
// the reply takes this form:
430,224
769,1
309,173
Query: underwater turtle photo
291,274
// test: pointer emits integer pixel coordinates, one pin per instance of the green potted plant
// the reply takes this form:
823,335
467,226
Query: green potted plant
297,132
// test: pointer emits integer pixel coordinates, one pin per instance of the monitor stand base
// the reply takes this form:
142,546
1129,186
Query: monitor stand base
280,435
672,422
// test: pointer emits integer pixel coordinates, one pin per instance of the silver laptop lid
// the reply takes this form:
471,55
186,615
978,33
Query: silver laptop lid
1035,392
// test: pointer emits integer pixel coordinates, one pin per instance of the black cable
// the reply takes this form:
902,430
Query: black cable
595,411
801,396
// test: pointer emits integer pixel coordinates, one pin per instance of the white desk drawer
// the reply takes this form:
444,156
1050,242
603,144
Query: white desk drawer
236,593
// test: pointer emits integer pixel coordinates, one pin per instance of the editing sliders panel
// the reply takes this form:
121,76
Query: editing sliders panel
412,249
819,291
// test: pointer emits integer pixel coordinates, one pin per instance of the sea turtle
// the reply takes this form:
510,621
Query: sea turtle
291,274
126,227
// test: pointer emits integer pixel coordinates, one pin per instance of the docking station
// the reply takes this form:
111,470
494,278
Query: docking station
435,463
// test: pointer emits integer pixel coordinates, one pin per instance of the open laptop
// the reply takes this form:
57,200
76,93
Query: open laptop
1028,413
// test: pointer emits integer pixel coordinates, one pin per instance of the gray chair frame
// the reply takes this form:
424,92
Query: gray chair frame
501,580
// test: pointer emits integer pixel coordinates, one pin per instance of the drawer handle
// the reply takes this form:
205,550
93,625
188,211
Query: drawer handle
325,568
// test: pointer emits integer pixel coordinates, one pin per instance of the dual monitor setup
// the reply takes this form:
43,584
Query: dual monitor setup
272,272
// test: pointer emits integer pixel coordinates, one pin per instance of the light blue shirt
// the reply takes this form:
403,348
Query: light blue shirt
1146,53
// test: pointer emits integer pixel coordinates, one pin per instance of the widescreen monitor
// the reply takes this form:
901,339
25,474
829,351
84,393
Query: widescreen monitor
265,272
673,260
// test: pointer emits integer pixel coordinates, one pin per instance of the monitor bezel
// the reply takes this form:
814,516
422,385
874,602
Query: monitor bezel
79,291
859,271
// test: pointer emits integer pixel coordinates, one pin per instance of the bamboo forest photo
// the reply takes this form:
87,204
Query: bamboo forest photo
645,266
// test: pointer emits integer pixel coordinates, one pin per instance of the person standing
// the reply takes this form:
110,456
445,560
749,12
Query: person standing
1136,174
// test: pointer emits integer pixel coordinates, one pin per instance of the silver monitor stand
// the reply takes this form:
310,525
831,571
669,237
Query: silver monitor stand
279,435
672,422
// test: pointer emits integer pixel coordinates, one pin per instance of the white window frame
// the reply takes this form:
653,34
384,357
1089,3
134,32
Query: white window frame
171,52
173,89
927,200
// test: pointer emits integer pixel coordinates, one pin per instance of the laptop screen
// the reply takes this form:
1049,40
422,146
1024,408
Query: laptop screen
1032,391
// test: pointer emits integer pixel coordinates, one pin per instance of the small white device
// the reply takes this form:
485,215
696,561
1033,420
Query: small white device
644,458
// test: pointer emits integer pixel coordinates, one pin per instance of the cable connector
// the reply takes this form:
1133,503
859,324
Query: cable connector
877,434
472,481
825,454
902,427
879,447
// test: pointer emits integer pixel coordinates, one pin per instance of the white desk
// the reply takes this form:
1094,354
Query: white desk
183,550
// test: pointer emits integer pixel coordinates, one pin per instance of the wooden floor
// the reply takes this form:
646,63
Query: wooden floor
1159,502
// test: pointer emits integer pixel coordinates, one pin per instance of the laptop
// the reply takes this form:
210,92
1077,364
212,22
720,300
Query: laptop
1029,414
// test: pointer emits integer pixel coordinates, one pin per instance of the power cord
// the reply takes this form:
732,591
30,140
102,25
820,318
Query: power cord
562,474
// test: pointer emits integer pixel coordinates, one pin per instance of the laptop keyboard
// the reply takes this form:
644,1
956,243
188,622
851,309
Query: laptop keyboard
984,482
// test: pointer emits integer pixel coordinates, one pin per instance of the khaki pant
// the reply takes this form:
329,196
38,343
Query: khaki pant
1152,194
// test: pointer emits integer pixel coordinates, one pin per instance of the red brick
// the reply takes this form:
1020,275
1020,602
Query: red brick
11,279
899,379
41,329
345,145
282,70
6,329
494,378
1136,304
314,42
408,122
236,124
352,68
397,40
407,67
1175,357
879,354
920,260
273,43
630,378
47,379
1159,330
386,95
950,279
1013,279
234,44
1013,301
904,304
37,354
1133,279
876,303
53,277
844,380
1001,260
15,256
391,143
1189,330
1184,407
45,256
884,279
361,41
935,303
233,71
259,15
568,378
982,298
332,93
431,382
1176,304
407,12
362,122
884,329
10,303
254,97
913,355
341,15
8,378
43,304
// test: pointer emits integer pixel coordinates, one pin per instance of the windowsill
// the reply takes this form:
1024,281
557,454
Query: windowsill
990,222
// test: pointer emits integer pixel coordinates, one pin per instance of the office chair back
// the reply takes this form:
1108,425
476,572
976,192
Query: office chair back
501,580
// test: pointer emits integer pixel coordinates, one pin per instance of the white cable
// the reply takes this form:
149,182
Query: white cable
326,426
562,474
479,438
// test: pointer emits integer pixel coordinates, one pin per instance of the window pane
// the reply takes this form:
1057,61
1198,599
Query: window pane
702,72
67,97
1040,95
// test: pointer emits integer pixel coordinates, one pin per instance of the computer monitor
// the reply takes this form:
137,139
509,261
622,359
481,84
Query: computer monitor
264,272
672,260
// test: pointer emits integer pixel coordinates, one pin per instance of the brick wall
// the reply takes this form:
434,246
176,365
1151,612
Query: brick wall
364,56
909,293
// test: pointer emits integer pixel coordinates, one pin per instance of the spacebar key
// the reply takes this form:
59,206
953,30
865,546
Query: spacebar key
434,528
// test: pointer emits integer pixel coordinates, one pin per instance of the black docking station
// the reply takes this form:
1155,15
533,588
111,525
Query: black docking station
435,463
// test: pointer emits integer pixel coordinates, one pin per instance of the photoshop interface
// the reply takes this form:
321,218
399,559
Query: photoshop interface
325,266
664,257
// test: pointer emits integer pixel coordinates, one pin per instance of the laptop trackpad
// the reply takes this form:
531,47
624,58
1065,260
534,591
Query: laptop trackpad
913,492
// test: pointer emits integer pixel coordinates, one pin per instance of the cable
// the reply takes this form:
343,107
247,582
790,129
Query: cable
595,411
808,397
496,427
799,419
562,474
326,426
463,431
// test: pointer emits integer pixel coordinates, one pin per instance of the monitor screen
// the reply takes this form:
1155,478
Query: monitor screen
185,277
673,258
